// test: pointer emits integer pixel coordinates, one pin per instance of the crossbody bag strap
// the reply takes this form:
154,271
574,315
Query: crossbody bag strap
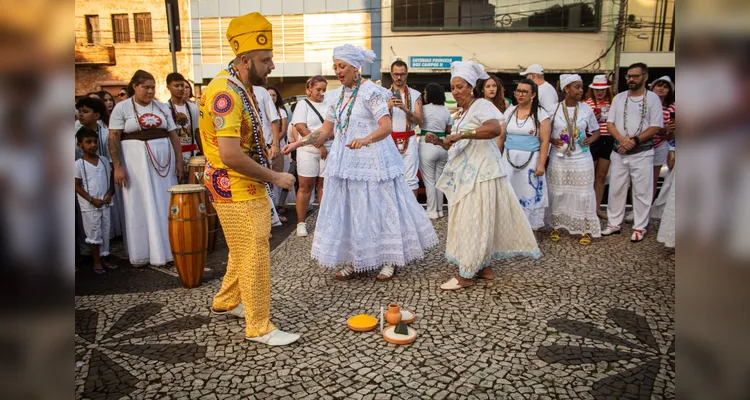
320,117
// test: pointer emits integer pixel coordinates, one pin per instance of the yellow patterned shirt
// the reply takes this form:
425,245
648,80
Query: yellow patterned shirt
222,114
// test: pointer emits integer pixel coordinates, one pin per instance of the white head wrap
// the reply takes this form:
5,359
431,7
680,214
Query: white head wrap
567,79
469,71
354,56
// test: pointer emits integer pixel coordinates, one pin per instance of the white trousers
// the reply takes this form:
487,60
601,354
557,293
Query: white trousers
432,160
96,225
411,163
638,168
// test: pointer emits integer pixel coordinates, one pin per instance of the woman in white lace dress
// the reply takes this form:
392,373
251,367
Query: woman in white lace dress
485,219
572,199
370,219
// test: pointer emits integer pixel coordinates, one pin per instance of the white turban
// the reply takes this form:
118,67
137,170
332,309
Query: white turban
567,79
469,71
354,56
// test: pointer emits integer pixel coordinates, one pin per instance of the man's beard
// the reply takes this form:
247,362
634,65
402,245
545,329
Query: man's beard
255,78
636,86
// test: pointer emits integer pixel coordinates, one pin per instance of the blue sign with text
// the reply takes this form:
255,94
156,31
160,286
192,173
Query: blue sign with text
433,62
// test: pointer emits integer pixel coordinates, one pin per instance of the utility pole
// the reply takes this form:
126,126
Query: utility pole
172,37
619,35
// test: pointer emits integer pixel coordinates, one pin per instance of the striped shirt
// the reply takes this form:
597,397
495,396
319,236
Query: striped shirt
601,109
667,119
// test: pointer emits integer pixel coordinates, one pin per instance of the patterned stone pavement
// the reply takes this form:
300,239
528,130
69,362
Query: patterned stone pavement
588,323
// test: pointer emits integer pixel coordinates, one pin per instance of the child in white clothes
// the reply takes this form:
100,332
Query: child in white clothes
94,188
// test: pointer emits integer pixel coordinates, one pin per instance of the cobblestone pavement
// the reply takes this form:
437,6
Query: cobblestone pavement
589,323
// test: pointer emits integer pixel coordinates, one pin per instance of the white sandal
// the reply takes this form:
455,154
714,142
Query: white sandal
386,273
453,284
345,273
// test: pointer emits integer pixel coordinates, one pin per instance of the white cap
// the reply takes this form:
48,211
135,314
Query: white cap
533,69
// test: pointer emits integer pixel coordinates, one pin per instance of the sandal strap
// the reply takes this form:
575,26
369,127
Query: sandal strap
346,271
387,271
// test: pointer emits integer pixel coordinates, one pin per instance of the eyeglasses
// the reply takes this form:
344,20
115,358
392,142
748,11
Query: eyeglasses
121,95
401,75
635,76
522,92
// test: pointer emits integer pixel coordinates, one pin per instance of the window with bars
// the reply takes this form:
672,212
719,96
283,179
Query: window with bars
120,28
143,27
508,15
92,29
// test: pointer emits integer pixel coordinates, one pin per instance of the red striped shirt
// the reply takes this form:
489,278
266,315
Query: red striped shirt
667,119
601,117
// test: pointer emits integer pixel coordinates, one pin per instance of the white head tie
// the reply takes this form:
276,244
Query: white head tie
354,56
567,79
469,71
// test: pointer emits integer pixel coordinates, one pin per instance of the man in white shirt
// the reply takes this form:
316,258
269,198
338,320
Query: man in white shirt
271,121
634,118
406,113
548,97
185,115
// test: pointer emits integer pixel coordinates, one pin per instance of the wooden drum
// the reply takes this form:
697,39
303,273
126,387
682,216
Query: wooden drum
196,167
188,229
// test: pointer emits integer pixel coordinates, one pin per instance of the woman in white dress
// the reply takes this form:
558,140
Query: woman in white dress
485,220
370,218
308,117
666,233
525,151
432,154
147,157
572,198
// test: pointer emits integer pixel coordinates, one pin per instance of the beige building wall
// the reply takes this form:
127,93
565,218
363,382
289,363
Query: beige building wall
503,51
153,57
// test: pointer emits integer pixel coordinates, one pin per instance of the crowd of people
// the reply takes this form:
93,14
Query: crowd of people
505,168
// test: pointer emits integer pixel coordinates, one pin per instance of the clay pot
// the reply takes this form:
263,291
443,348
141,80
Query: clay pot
393,315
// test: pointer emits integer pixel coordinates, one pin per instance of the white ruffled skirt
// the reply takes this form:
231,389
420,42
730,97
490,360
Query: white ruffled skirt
370,224
572,200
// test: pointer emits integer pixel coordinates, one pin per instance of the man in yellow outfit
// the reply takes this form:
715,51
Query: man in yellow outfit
237,169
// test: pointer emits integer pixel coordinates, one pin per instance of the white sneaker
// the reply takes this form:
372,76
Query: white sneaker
638,235
238,312
611,230
433,215
302,229
276,337
440,214
629,216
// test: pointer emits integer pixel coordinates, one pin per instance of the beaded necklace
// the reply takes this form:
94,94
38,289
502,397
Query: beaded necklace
149,153
173,108
342,125
572,126
507,152
409,124
256,121
643,114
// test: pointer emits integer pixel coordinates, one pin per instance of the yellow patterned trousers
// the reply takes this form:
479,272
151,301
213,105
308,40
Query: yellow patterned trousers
246,226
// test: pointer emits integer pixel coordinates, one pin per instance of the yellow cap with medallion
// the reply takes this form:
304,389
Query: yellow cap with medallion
250,32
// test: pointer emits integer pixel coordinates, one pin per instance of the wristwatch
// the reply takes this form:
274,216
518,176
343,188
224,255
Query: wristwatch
636,139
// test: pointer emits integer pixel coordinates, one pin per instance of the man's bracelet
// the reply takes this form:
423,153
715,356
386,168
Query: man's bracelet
469,134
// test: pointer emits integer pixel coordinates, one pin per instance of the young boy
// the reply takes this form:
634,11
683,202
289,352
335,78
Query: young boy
94,188
92,113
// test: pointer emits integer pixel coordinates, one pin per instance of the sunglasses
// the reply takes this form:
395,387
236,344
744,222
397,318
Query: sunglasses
121,95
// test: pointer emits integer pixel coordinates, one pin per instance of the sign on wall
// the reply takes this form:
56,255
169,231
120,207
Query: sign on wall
433,62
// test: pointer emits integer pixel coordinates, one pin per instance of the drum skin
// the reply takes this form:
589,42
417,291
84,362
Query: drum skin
188,232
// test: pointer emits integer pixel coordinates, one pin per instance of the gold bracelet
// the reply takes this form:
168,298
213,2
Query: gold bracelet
469,134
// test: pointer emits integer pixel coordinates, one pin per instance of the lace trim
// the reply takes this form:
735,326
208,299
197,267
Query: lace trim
351,254
571,177
577,226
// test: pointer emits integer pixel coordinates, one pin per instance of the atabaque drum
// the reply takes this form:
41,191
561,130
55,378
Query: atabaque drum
188,232
196,167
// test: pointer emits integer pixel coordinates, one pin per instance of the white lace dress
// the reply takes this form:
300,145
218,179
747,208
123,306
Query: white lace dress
370,217
485,219
570,178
